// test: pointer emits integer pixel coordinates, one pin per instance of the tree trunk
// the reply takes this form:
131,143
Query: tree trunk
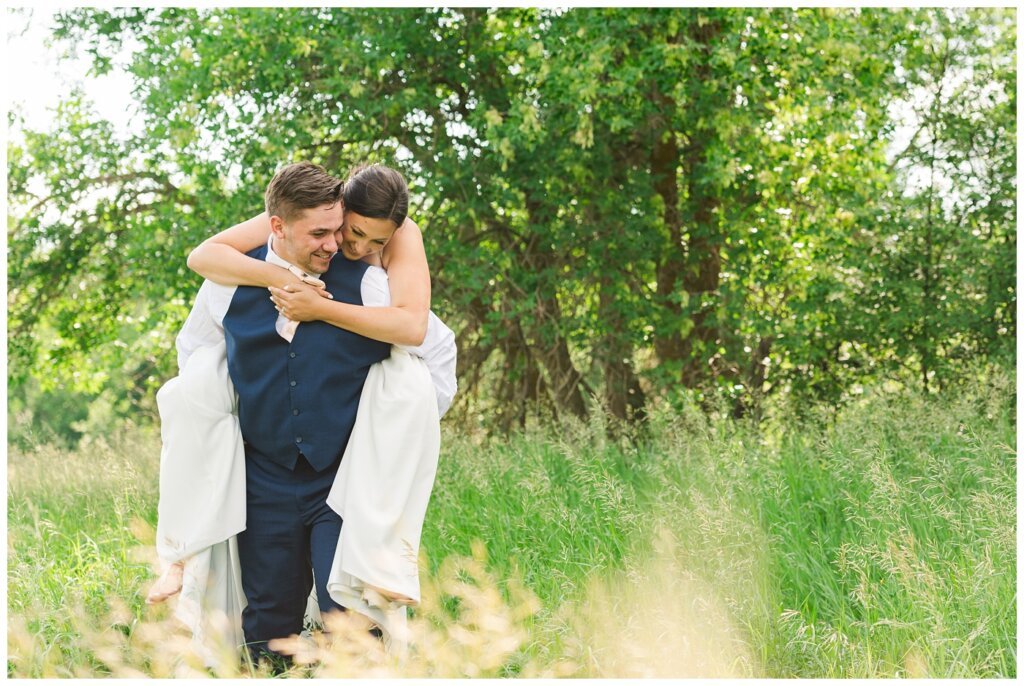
565,383
703,257
623,395
696,269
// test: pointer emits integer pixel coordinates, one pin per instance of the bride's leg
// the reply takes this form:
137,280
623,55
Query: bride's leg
168,584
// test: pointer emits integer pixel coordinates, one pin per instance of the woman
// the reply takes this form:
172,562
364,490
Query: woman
385,239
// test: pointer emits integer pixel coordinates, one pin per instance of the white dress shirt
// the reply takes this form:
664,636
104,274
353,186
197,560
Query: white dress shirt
205,326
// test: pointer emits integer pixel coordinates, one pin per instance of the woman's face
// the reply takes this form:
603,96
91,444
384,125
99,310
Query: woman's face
361,236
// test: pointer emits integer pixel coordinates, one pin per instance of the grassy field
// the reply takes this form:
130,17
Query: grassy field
879,542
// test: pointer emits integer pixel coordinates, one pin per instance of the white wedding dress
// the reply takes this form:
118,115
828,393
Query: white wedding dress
382,490
202,497
381,493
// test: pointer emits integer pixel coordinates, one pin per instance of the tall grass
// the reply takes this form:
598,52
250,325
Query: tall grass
876,542
70,541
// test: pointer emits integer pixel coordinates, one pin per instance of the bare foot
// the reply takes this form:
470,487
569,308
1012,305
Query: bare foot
167,585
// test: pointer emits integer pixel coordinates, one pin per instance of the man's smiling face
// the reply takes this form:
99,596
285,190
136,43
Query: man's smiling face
309,241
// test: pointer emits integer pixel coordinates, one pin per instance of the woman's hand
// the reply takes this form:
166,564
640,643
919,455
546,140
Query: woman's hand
300,302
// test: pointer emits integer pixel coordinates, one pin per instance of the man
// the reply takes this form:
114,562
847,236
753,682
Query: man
298,391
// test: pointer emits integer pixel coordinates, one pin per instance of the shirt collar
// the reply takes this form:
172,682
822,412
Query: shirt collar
275,259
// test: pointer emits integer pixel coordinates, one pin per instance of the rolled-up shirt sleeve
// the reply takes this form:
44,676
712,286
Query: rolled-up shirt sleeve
438,348
374,288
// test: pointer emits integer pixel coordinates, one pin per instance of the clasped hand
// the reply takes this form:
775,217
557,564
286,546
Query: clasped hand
299,301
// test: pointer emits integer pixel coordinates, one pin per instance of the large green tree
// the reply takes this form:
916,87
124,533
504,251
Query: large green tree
617,203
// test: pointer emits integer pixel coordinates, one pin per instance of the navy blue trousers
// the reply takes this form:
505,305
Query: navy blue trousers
289,539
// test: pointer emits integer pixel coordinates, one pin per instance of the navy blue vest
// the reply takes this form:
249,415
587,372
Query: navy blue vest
300,396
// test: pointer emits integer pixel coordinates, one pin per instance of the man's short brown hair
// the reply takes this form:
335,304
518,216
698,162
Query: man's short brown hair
299,187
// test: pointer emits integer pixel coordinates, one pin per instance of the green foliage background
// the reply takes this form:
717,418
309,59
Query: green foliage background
627,205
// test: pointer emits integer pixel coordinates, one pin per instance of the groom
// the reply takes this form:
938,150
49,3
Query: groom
298,391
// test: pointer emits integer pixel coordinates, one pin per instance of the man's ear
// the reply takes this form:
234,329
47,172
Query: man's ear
277,226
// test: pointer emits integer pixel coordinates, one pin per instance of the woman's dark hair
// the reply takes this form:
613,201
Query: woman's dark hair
377,192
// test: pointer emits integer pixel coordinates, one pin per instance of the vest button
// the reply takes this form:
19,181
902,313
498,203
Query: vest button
292,383
298,439
295,411
291,354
